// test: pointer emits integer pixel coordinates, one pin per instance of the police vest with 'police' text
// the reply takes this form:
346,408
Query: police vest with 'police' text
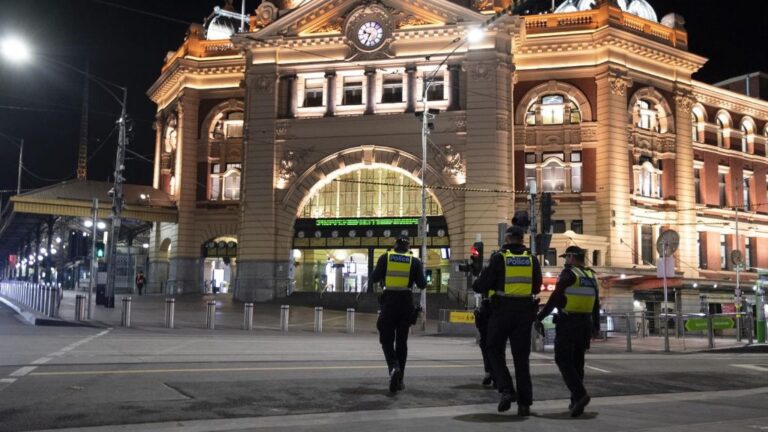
580,296
398,271
518,275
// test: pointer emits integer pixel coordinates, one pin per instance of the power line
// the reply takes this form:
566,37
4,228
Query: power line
142,12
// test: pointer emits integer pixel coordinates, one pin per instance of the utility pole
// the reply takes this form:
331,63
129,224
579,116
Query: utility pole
534,221
117,203
21,164
82,156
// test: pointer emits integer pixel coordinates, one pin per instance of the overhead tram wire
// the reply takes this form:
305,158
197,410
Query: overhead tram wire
142,12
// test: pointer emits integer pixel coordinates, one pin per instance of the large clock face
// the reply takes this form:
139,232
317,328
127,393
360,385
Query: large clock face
370,34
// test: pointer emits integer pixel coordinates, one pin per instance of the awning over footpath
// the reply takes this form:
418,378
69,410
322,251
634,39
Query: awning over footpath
25,212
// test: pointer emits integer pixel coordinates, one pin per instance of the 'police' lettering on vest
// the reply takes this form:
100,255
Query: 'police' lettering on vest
587,282
519,261
399,258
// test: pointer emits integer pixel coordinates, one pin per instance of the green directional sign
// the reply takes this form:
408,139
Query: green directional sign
700,324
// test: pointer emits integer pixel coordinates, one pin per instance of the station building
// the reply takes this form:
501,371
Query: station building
289,143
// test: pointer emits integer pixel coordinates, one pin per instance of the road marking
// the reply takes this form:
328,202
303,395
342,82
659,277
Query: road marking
751,367
253,369
5,382
597,369
22,371
42,360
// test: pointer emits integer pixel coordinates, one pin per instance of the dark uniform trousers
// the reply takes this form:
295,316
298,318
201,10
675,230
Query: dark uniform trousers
511,319
393,324
482,318
572,336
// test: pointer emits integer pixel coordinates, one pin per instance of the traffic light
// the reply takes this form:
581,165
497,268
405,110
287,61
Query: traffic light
428,275
546,213
100,249
521,220
476,258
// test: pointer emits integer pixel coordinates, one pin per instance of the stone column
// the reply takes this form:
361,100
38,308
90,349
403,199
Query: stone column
488,148
454,104
291,95
410,72
183,276
370,105
263,261
158,127
613,170
686,195
330,88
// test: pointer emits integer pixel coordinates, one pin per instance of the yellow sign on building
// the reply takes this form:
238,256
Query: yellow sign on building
462,317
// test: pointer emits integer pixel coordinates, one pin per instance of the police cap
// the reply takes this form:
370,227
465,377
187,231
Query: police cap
573,250
403,240
515,232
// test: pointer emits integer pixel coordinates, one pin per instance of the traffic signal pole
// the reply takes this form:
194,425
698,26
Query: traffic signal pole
94,264
533,222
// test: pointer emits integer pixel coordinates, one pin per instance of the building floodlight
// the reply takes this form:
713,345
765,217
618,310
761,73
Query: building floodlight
475,35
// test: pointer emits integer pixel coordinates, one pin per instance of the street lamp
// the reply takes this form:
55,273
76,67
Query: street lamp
474,35
17,51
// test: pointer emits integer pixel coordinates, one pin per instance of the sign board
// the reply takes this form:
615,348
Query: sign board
729,308
665,265
461,317
700,324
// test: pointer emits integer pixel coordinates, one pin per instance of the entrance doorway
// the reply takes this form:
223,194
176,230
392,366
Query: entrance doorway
219,265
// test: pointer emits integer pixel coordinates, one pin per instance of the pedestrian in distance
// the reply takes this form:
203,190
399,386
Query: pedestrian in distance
576,298
511,282
140,281
399,270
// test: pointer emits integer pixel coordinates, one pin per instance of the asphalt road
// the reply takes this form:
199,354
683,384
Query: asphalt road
70,377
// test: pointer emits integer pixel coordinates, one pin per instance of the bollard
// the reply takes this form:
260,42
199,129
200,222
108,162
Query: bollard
126,318
629,332
79,307
318,319
248,316
210,317
53,302
285,311
170,312
350,320
750,330
710,333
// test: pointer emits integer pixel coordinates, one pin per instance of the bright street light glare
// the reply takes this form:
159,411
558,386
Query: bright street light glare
15,50
101,225
475,35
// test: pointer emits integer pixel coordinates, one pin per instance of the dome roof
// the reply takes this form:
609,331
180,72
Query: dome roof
640,8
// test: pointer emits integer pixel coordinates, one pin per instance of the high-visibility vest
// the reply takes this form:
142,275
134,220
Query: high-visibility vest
398,271
580,296
518,275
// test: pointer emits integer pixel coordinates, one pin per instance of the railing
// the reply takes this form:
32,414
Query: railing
42,297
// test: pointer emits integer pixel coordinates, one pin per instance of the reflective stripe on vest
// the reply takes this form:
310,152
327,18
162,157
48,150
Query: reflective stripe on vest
580,296
398,271
518,275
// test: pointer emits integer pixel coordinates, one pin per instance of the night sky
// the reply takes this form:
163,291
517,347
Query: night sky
41,102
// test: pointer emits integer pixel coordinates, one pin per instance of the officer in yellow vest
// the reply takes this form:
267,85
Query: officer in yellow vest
511,281
576,298
399,270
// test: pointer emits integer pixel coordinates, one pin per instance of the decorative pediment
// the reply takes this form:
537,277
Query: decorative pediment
328,16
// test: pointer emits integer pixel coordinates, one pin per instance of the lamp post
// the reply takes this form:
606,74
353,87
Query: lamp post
474,35
20,143
17,51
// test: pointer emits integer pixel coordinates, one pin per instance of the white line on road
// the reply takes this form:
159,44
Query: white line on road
597,369
751,367
26,370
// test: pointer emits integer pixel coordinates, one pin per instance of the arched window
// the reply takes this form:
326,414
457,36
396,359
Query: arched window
225,184
647,179
553,174
553,109
720,132
694,127
744,135
647,116
229,126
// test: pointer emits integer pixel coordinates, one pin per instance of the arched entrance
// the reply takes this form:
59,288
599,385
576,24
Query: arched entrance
352,217
219,264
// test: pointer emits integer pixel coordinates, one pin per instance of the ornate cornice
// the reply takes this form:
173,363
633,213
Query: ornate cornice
731,101
184,69
684,101
618,83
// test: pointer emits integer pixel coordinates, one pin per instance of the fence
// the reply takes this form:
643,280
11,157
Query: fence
42,297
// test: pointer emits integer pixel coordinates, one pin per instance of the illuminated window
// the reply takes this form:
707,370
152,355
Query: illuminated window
369,192
723,252
697,184
744,135
647,179
745,191
553,173
392,89
437,89
225,186
353,91
313,92
646,115
694,128
720,132
576,172
553,109
233,125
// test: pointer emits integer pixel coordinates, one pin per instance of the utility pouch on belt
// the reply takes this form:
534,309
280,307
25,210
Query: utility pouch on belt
415,314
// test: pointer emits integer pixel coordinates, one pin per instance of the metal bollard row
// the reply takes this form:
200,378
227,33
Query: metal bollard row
248,316
284,317
318,319
170,312
79,307
350,320
210,317
125,319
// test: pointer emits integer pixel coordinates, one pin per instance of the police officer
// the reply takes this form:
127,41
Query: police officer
512,280
482,316
399,270
578,318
